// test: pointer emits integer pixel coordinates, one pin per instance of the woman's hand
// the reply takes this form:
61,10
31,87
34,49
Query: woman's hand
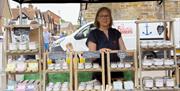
105,50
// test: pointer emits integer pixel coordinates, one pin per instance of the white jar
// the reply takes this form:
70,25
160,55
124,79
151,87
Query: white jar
32,45
22,46
127,65
81,87
168,43
120,65
64,65
113,65
58,66
13,46
144,44
147,62
148,82
170,82
51,66
158,62
128,85
96,65
97,87
88,65
80,65
159,82
89,86
117,85
168,62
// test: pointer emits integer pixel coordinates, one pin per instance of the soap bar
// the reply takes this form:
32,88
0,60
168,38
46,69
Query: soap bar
148,83
113,65
32,45
170,82
117,85
80,65
13,46
120,65
127,65
96,65
159,82
88,65
169,62
128,85
147,62
158,62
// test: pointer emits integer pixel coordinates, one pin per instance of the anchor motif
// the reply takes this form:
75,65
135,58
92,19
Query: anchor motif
147,31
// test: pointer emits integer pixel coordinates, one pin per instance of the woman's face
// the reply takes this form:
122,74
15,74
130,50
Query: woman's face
104,18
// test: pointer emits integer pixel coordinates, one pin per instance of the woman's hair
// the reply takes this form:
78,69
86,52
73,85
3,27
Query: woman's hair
96,22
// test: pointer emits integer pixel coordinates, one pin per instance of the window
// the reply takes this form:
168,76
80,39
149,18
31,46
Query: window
24,19
84,32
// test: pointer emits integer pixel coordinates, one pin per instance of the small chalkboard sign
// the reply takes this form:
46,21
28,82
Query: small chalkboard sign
91,54
122,54
21,30
57,55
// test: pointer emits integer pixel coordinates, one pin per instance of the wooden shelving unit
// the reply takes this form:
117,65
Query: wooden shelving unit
15,53
57,55
166,25
101,69
131,55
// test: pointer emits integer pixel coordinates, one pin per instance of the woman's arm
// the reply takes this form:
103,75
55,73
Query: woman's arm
121,44
91,46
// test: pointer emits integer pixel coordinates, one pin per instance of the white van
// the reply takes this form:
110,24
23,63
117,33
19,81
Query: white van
126,27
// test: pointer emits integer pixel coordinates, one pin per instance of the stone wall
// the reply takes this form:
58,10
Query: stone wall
135,10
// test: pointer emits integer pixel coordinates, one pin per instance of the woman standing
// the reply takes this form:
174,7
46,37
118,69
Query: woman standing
105,38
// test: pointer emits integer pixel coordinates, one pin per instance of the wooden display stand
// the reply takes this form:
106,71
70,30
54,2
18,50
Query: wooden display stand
37,32
46,71
168,24
101,69
132,61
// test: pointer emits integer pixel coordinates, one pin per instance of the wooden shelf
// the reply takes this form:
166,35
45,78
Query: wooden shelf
159,67
34,36
22,52
128,90
22,72
122,69
90,70
162,89
167,25
152,21
129,54
157,48
48,71
57,71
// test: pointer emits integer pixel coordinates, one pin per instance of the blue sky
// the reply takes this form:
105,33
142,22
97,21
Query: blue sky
68,12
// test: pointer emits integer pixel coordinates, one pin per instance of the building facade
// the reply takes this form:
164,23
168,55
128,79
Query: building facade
30,14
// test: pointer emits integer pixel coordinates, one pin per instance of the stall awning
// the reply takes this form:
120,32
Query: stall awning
78,1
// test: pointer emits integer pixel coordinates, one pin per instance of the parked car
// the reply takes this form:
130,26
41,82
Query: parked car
126,27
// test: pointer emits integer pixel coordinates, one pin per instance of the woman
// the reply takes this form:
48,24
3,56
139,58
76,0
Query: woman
105,38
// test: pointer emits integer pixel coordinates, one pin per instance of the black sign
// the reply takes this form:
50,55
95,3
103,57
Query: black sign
90,54
57,55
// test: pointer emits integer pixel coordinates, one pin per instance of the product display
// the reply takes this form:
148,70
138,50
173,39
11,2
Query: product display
21,42
13,47
33,45
148,82
156,44
90,85
166,61
117,85
58,86
159,82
